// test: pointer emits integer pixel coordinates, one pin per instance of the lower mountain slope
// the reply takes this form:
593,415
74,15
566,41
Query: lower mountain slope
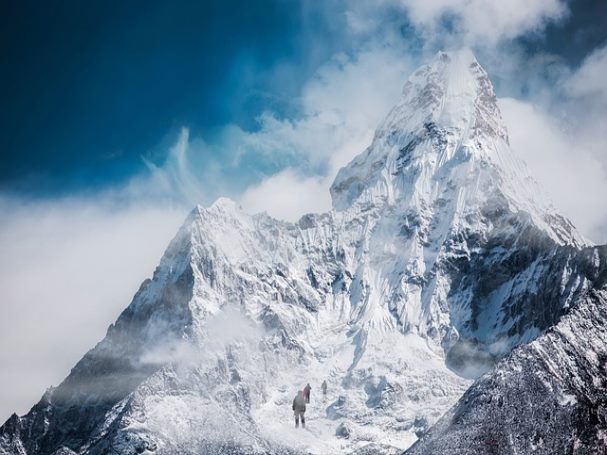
243,311
547,397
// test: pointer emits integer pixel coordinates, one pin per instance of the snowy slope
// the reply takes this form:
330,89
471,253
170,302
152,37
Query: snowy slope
547,397
439,257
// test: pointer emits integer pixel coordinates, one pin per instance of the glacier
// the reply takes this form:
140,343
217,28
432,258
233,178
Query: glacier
440,260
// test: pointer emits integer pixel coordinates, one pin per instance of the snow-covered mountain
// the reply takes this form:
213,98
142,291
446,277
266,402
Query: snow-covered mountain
548,397
439,257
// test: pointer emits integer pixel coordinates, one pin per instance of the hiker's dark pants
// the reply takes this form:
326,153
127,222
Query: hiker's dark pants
298,415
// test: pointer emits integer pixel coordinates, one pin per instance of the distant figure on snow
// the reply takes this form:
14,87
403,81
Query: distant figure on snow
299,408
306,392
324,388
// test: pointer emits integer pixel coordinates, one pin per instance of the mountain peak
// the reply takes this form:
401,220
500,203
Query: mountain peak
463,57
454,92
463,54
225,204
454,66
445,140
447,113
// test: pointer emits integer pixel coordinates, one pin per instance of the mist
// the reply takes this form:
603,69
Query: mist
68,268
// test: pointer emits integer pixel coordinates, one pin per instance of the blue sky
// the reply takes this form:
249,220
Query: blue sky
117,117
89,89
94,90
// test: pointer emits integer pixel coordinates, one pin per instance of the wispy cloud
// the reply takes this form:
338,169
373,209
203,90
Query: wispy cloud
482,22
561,135
589,79
296,158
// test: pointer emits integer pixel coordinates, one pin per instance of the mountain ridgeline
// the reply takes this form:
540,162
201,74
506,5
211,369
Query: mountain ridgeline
441,293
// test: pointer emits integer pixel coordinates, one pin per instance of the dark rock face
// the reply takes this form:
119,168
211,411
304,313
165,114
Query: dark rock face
514,288
547,397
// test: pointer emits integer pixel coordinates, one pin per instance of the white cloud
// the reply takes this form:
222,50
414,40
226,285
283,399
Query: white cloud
288,196
563,162
589,79
68,268
486,22
584,107
340,108
461,22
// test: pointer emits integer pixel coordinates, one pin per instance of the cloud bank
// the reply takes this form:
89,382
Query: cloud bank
68,269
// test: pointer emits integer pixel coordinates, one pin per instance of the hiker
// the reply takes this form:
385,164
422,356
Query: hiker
299,408
306,392
324,388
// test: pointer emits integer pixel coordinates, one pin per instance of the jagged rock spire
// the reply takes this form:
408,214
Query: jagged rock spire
454,92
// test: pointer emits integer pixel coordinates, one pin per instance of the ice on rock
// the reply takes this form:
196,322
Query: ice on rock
547,397
438,258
